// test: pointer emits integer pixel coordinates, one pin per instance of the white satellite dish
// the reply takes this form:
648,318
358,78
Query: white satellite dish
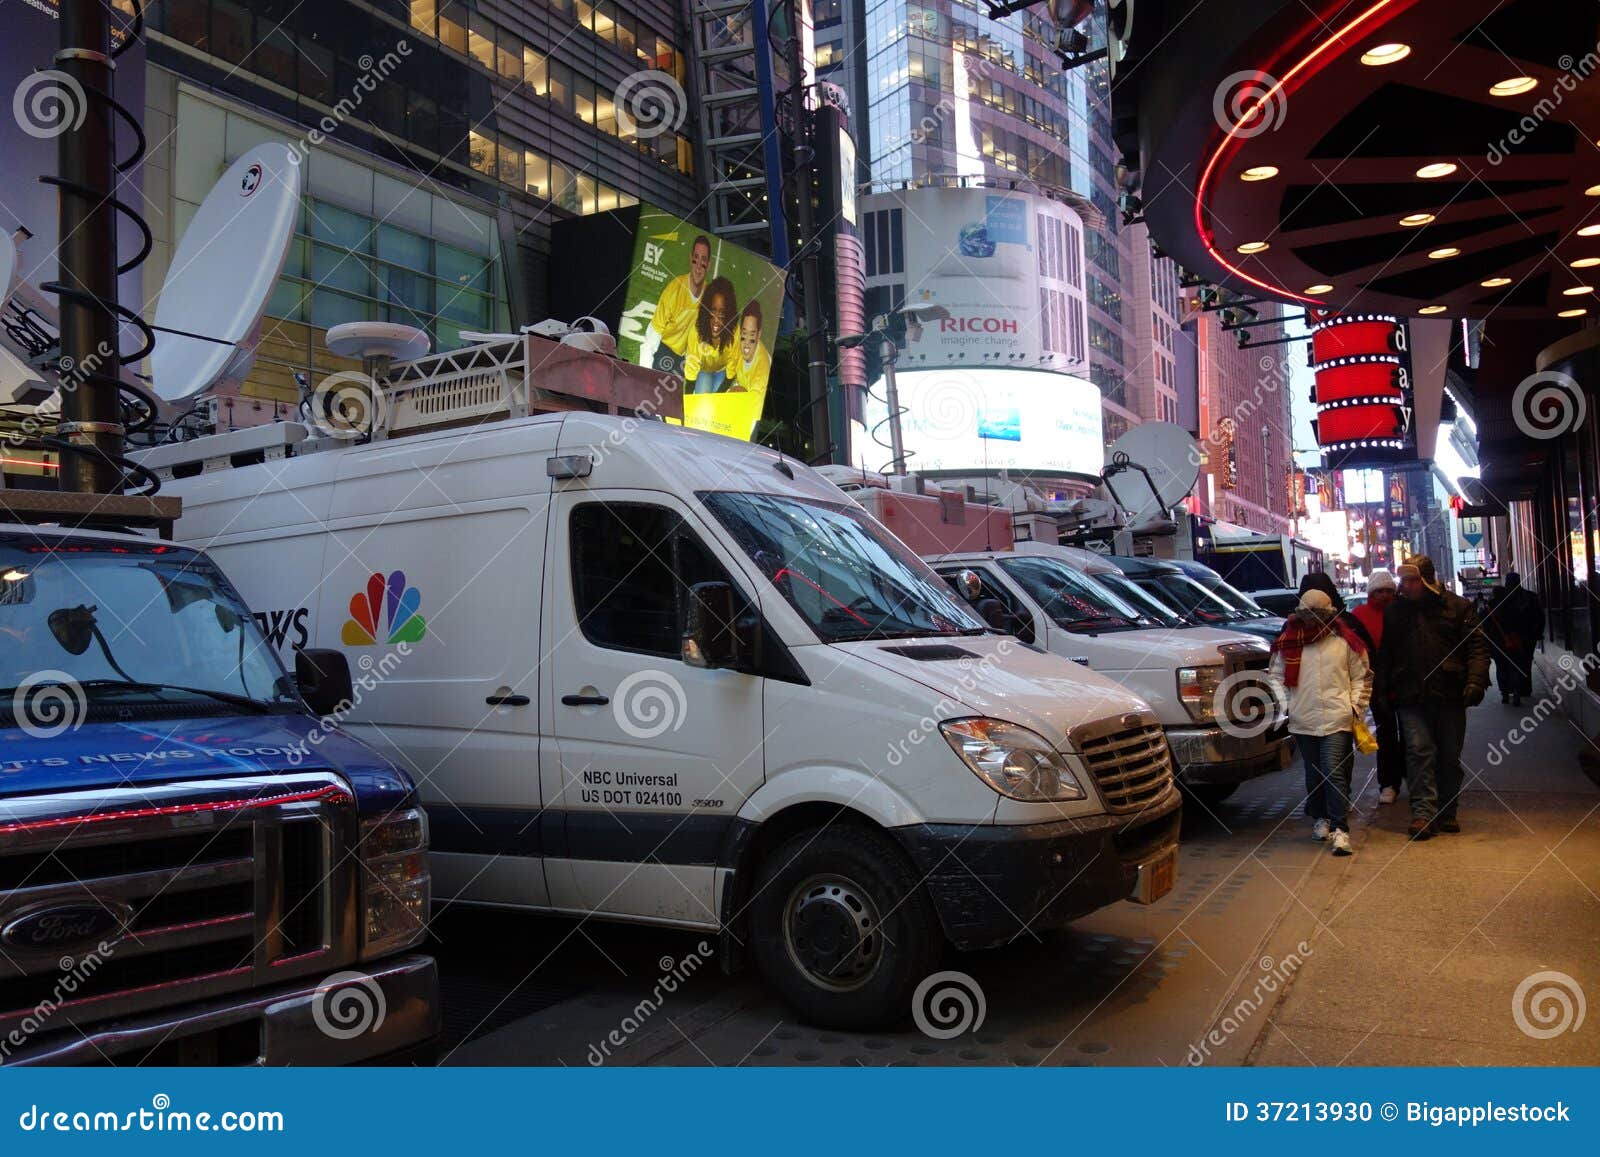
1170,455
222,272
383,341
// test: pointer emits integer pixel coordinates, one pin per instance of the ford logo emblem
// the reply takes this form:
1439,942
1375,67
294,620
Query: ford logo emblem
63,927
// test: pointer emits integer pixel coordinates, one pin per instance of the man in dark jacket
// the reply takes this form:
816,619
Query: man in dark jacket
1433,665
1515,625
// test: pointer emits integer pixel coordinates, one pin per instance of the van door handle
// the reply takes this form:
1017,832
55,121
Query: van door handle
585,700
507,700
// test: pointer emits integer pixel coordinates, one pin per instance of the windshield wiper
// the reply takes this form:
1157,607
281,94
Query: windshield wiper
221,696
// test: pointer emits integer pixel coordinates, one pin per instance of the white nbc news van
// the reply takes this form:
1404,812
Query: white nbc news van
654,675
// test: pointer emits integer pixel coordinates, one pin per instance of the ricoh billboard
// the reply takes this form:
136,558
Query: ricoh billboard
1007,266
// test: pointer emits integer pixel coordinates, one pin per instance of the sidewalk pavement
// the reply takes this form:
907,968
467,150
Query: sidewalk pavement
1435,953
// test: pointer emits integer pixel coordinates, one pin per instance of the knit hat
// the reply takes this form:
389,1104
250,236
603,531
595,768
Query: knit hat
1320,581
1380,580
1315,600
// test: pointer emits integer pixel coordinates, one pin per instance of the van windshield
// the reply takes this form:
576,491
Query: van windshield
1194,600
128,625
847,576
1232,595
1158,609
1071,598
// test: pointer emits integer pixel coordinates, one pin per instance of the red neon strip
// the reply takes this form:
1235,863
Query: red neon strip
30,462
1229,139
787,573
330,792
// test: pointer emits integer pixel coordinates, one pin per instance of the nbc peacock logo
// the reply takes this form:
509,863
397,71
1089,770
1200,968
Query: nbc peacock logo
389,602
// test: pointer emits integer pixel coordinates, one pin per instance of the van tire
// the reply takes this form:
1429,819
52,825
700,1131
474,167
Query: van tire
836,872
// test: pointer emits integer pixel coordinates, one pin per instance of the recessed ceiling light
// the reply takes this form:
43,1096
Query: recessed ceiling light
1495,282
1437,169
1589,231
1320,287
1577,290
1586,262
1254,247
1430,309
1513,86
1572,313
1381,54
1412,220
1446,251
1259,173
1592,191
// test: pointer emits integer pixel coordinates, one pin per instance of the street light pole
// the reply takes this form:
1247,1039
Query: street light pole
897,450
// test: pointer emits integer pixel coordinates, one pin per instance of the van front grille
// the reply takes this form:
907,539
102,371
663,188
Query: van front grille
1132,765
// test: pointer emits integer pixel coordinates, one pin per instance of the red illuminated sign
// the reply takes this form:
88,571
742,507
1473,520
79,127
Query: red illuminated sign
1363,389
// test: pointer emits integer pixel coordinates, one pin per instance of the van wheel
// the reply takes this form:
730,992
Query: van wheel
1211,794
842,929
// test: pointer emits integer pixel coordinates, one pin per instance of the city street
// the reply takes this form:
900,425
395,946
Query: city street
1269,951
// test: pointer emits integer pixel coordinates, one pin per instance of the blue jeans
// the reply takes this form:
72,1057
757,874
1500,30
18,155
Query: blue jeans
1433,733
1329,760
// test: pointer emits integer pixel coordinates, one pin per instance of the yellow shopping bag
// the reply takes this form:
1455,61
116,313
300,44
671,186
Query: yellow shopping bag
1366,742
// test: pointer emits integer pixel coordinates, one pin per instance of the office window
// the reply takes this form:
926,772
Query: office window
481,152
453,25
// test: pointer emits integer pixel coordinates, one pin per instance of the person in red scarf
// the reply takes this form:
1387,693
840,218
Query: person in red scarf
1321,671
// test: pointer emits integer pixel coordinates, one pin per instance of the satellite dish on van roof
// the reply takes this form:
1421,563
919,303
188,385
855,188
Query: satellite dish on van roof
222,272
1171,456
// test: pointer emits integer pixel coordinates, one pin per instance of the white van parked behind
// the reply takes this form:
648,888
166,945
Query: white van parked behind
1208,686
660,676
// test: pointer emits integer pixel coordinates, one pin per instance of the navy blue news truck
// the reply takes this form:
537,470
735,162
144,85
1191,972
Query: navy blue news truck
195,867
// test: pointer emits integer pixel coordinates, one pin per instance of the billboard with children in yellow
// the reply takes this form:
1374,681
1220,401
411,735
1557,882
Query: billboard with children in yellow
706,310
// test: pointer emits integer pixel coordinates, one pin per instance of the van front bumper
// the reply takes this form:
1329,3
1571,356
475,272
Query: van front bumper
1211,755
992,883
286,1021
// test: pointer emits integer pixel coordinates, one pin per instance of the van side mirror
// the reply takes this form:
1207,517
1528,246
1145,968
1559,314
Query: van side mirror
969,585
323,677
712,635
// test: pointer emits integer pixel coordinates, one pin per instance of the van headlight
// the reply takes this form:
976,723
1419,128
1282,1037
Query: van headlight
1197,690
1014,761
395,885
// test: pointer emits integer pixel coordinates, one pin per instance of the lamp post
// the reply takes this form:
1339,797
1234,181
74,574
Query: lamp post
884,327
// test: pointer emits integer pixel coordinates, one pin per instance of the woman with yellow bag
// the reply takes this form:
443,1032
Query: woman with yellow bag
1321,669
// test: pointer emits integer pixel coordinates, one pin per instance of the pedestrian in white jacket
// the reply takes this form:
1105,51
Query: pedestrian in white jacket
1320,669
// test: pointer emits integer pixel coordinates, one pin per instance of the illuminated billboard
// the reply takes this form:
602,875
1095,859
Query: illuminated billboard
988,419
1007,267
706,310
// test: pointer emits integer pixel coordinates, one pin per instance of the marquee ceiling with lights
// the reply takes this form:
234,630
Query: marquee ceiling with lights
1421,157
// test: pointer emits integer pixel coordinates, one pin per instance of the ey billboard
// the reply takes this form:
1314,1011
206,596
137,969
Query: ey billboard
707,311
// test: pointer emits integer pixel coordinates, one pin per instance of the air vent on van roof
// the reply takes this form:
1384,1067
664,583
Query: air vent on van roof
931,652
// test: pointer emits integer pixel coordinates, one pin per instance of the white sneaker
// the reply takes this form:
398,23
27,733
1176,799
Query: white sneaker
1319,830
1341,843
1388,795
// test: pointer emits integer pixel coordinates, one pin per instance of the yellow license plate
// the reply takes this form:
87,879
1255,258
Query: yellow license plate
1156,879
